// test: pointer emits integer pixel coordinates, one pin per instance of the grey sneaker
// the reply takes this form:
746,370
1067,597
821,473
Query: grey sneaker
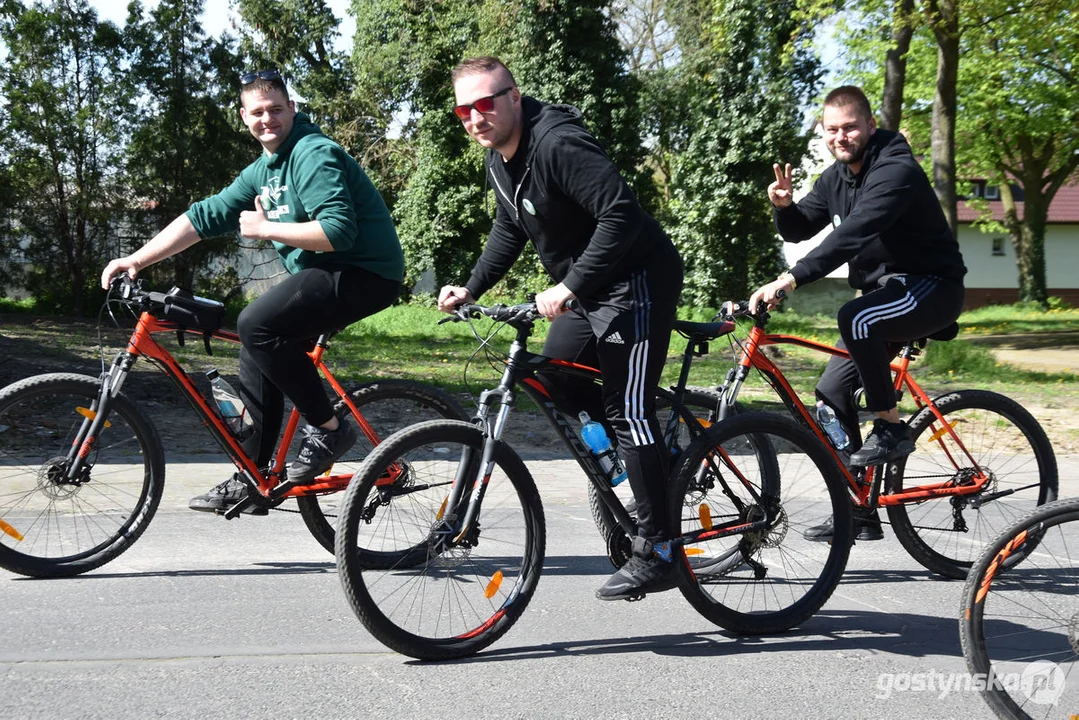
320,450
887,442
223,496
649,570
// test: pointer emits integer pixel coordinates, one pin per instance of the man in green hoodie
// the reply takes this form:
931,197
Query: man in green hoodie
334,235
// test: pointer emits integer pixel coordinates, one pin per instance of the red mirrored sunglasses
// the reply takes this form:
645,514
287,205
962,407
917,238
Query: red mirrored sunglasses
482,105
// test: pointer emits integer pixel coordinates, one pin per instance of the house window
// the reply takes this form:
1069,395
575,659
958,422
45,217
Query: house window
998,246
991,192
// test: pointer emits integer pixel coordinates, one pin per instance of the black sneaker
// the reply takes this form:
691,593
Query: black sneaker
887,442
648,570
866,527
320,450
221,497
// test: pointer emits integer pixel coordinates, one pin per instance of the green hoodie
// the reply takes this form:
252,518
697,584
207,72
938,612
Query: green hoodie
311,177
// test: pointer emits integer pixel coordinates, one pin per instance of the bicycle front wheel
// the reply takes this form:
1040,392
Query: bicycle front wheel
418,581
765,576
388,406
1019,625
997,437
55,526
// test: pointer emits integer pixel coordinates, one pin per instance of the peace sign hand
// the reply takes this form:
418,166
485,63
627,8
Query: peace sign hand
780,192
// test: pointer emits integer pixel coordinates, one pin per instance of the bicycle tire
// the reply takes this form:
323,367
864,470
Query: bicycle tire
1019,624
1003,438
760,581
402,403
699,402
436,602
60,529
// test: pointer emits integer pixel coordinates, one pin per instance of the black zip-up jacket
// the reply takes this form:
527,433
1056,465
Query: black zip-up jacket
886,220
562,192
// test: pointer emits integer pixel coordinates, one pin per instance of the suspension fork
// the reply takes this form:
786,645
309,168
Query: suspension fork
94,421
492,427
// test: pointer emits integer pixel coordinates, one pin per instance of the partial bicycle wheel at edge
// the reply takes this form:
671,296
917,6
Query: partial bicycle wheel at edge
388,406
52,527
1019,625
948,534
767,578
444,594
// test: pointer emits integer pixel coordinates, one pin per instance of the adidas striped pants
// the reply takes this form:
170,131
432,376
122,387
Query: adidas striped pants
626,334
873,328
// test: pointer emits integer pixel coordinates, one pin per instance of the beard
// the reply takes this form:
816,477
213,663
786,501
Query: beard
853,154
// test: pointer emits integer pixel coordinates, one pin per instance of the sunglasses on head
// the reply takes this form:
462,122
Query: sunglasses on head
482,105
248,78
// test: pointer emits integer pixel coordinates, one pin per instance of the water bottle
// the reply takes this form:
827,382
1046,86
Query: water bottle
830,424
232,408
595,437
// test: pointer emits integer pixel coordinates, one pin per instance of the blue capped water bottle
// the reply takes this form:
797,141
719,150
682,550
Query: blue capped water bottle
830,424
595,437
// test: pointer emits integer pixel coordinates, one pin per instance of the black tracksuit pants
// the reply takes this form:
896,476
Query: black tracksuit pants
873,328
626,333
280,327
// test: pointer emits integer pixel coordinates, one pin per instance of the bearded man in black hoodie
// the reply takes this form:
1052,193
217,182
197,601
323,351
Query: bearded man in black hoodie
557,188
890,229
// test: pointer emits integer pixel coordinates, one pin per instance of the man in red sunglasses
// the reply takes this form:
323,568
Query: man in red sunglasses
313,203
557,188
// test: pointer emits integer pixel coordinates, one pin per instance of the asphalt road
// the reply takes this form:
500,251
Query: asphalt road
210,618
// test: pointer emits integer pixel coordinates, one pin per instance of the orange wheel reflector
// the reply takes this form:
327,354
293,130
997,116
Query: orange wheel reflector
700,421
442,508
694,551
90,414
705,513
943,431
492,587
8,530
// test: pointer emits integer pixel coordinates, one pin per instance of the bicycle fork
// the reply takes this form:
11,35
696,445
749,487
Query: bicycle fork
473,474
95,418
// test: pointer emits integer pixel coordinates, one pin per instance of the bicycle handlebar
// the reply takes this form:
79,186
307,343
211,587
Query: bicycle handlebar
525,313
133,292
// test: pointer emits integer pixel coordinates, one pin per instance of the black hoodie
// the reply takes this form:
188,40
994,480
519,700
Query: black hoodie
886,220
562,192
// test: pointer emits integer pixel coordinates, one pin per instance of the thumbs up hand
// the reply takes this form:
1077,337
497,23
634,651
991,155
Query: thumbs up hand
253,223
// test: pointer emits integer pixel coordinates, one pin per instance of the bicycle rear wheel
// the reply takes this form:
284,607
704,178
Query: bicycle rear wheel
417,583
54,527
768,578
1000,438
388,406
1019,625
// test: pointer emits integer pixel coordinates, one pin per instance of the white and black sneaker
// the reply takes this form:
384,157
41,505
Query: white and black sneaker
648,570
320,450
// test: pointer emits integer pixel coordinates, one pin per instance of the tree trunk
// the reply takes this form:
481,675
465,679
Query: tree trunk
1032,285
944,17
895,65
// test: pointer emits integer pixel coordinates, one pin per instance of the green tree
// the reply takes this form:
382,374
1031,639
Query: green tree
402,57
1019,117
748,84
62,81
187,141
